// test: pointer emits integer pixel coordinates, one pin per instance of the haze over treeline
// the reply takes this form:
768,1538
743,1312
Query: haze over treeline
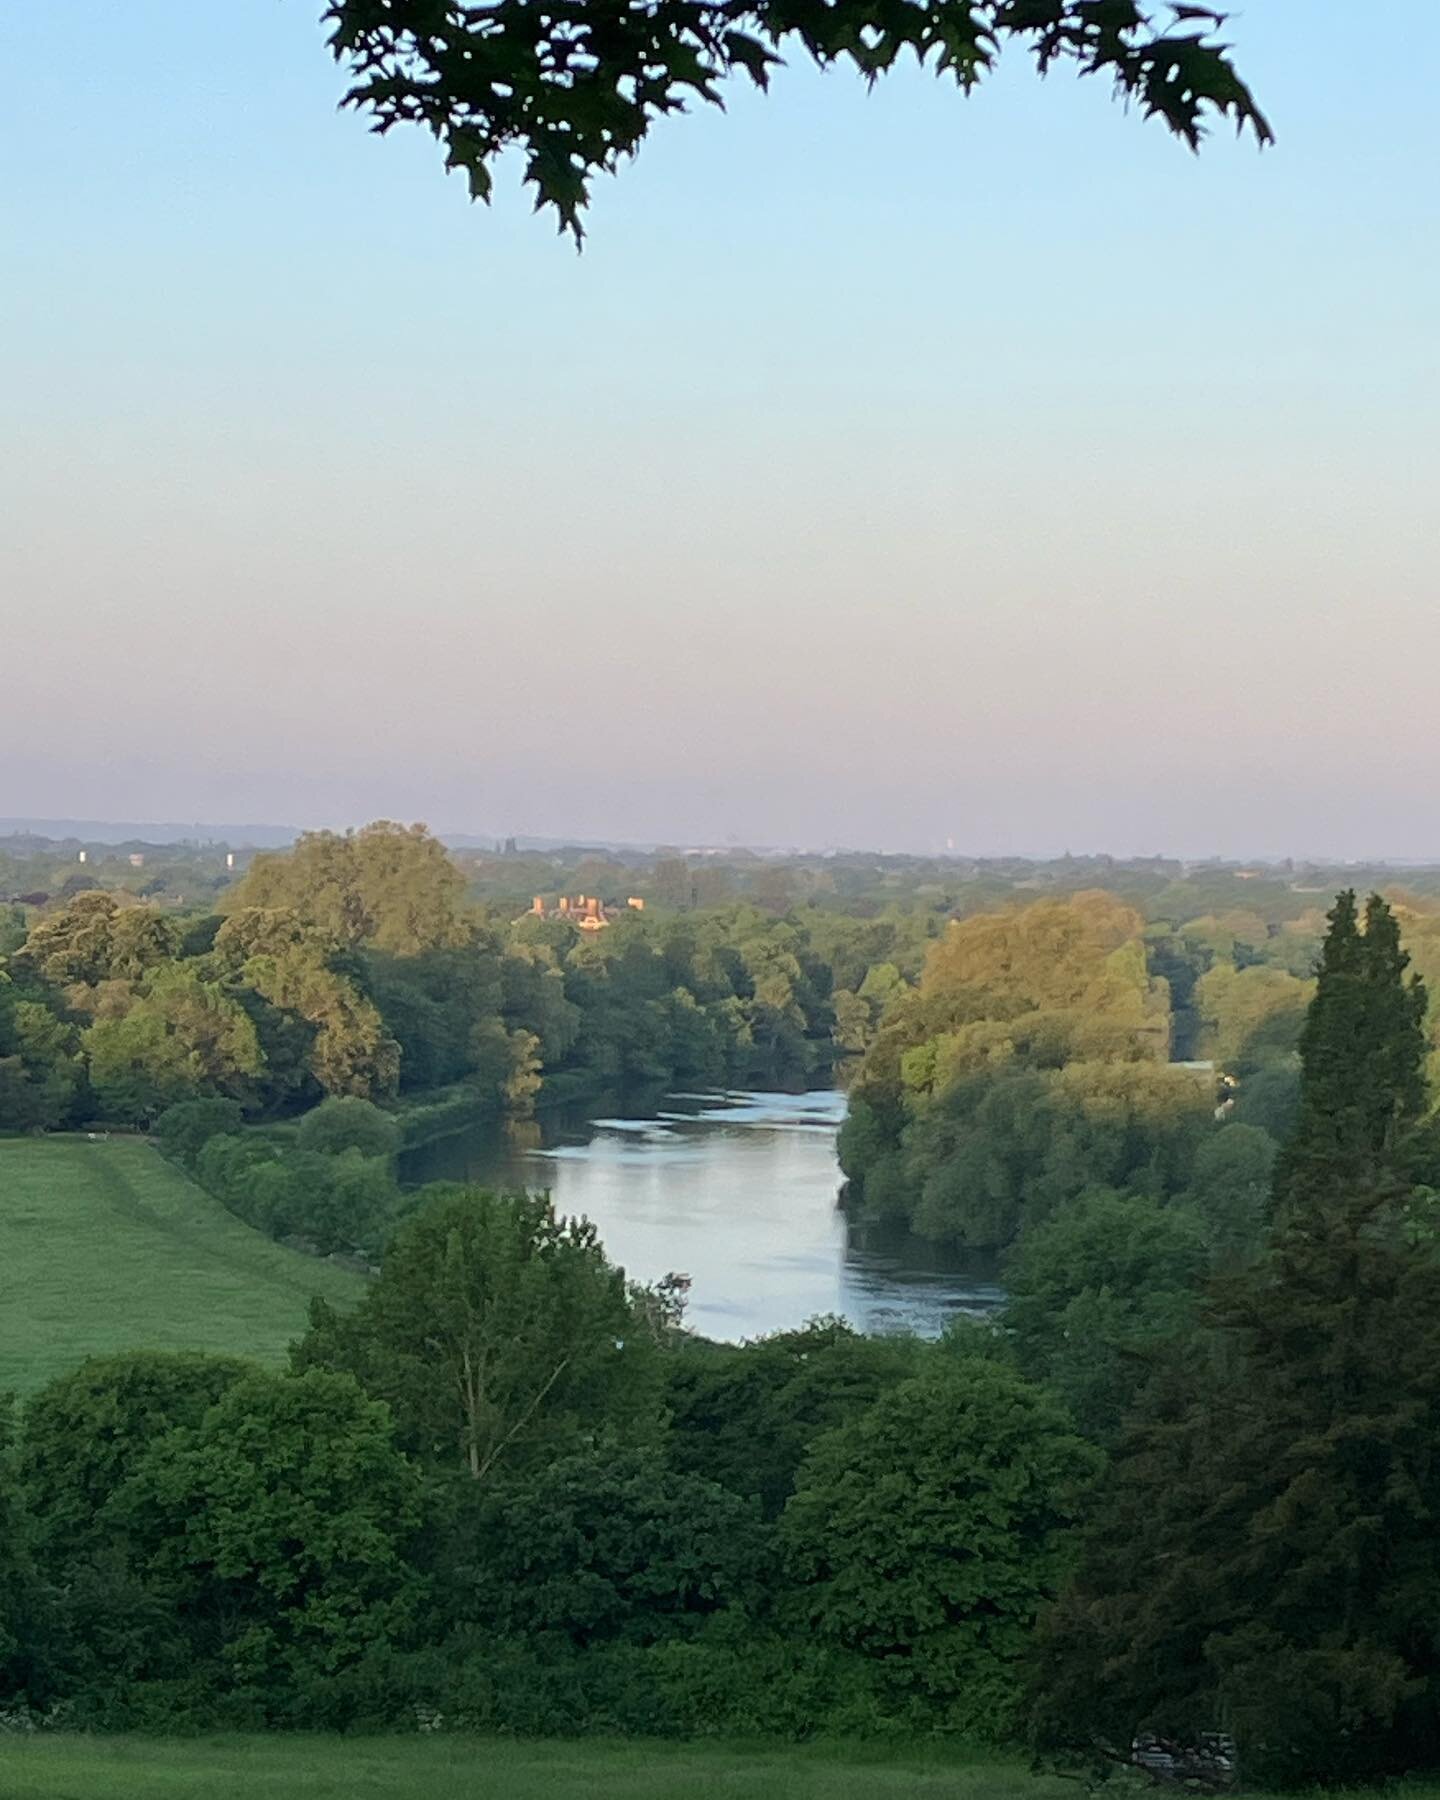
26,834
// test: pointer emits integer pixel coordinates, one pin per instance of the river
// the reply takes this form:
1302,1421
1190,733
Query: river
739,1192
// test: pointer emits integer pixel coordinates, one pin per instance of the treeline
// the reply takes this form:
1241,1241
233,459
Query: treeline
358,966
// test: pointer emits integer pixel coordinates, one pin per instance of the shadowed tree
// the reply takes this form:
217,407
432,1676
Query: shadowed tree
1363,1055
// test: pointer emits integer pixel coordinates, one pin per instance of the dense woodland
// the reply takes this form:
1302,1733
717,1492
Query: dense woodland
1168,1492
1012,1033
362,966
1191,1473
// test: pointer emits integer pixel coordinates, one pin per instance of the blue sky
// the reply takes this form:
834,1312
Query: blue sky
891,467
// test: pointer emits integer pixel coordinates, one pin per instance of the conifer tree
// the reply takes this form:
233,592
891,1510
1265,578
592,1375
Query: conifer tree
1362,1055
1262,1561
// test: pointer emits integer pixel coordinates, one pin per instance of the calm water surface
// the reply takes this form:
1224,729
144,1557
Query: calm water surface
739,1192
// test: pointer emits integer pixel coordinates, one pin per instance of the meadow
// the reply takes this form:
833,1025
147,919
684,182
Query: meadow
105,1246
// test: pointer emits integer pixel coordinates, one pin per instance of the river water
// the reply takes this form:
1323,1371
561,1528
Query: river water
738,1191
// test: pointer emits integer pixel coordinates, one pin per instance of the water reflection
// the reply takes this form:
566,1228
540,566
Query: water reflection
736,1190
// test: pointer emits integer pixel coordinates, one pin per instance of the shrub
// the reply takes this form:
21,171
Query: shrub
184,1130
345,1122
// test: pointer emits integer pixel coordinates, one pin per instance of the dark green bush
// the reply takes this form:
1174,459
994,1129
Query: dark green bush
345,1122
183,1131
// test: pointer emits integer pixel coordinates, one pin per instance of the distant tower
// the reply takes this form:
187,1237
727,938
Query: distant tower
537,906
229,859
84,856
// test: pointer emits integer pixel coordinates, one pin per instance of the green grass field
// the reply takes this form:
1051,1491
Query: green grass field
457,1768
104,1246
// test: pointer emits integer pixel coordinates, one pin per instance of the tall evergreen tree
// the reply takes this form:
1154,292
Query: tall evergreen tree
1362,1054
1263,1558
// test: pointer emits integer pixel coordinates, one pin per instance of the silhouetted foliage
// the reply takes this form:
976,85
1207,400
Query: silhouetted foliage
577,91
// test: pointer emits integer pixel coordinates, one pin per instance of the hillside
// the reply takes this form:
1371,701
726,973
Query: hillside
104,1246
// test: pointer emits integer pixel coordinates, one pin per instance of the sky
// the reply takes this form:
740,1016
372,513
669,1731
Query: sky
891,468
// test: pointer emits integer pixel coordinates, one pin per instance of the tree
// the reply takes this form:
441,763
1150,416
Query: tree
747,1416
96,938
854,1024
13,929
391,887
336,1202
607,1545
494,1328
278,1527
138,1068
1269,1099
297,968
929,1531
430,1003
218,1035
578,91
1094,1291
1229,1191
40,1069
1250,1017
183,1038
19,1590
673,882
83,1436
1362,1054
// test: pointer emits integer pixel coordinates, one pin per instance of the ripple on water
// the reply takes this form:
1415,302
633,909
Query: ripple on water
739,1190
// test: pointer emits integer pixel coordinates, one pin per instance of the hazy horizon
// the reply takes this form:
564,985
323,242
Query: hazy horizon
468,837
889,469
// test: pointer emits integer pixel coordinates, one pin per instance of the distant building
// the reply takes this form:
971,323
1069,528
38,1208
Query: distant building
137,859
587,911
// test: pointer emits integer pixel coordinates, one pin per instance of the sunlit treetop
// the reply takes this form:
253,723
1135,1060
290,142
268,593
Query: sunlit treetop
576,84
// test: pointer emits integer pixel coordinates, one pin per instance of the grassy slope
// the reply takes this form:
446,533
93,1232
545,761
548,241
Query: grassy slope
447,1768
104,1246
